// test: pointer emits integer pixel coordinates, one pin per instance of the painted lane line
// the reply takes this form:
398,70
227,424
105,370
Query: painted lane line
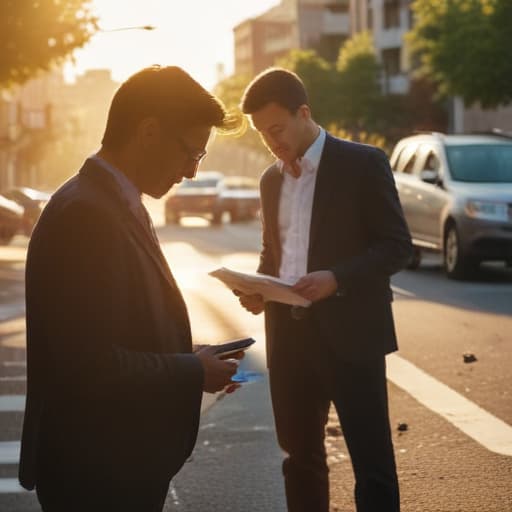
15,364
10,452
401,291
14,378
12,403
10,486
486,429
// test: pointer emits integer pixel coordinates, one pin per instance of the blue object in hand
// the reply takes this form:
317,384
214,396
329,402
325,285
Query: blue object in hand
242,376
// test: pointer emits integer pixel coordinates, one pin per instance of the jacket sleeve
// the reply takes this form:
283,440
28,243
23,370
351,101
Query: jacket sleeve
76,320
267,265
390,245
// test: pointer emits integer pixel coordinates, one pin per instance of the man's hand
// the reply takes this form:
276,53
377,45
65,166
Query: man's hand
316,285
217,373
252,303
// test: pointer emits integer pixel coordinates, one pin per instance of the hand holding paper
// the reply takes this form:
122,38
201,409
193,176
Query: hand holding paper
269,287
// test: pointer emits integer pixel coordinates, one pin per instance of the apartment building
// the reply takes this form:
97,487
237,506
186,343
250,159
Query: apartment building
322,25
389,21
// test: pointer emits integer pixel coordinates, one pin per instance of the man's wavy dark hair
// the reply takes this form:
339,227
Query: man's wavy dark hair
169,94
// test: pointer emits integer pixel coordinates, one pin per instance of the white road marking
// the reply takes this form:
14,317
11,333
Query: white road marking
14,378
401,291
10,485
486,429
9,452
17,364
12,403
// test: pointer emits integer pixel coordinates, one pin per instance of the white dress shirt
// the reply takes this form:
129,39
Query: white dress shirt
295,206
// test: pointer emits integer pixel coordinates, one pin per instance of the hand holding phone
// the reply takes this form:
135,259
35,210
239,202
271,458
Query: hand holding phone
232,347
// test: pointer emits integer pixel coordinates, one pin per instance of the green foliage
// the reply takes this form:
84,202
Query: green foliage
465,47
231,89
36,34
319,77
358,78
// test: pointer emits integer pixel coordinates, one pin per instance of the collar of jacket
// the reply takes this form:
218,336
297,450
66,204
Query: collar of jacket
120,207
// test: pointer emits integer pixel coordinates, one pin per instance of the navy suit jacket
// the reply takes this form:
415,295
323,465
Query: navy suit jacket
113,392
357,231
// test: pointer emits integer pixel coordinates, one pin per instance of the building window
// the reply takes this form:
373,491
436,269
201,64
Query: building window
391,61
391,14
370,18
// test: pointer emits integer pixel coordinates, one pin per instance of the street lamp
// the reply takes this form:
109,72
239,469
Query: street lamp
138,27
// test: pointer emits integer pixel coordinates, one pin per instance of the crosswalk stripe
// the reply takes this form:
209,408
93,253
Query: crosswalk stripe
9,452
12,403
10,485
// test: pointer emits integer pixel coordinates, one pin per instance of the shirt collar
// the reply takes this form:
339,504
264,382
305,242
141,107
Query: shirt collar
127,188
312,155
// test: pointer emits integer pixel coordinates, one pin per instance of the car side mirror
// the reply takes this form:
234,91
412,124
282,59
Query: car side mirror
430,176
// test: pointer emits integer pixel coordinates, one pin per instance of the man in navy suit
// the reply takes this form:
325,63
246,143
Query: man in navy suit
333,227
114,389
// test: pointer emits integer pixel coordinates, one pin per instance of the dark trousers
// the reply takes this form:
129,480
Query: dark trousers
66,496
305,378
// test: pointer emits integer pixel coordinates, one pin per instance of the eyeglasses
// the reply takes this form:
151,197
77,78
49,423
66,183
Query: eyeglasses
193,154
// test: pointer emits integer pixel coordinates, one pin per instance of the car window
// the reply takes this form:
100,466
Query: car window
409,165
406,159
200,183
481,163
427,159
431,163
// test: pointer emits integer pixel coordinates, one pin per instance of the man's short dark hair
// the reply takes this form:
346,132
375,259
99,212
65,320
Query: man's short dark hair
167,93
275,85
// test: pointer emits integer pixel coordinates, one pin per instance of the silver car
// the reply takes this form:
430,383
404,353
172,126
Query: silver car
456,193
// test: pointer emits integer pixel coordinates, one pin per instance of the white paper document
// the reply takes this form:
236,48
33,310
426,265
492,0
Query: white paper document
271,288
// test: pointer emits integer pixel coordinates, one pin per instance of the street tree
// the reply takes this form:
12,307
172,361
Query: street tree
37,34
319,77
358,81
465,47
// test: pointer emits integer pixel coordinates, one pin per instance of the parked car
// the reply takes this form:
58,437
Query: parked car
240,196
33,201
456,193
211,194
11,219
199,196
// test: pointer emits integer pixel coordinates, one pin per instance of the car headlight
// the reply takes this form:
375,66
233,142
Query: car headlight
487,210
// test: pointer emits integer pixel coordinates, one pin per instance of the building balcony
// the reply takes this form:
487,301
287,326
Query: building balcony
335,23
397,84
390,38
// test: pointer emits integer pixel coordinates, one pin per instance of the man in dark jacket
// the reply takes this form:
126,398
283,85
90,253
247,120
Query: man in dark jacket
333,227
114,389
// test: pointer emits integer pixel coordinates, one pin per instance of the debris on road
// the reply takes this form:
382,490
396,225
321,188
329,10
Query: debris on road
469,358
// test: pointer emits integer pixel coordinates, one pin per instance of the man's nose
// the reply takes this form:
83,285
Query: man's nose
190,170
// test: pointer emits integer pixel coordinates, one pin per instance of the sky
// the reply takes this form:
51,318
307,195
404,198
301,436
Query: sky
193,34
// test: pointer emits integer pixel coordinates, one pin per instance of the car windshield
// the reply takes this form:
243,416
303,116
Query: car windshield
485,163
202,183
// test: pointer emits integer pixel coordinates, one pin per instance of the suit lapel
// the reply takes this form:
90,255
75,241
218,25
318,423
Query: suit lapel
323,189
127,218
270,205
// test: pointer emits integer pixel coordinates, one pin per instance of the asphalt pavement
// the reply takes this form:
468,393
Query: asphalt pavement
236,463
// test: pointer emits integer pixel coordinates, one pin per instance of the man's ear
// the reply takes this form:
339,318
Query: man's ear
304,112
149,132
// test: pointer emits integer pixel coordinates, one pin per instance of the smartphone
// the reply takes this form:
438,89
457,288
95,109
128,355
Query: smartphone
232,347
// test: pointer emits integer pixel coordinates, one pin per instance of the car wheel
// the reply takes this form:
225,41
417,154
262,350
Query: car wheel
457,264
217,217
172,218
415,260
6,237
234,216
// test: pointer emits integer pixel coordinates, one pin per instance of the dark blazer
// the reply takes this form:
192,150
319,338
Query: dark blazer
113,391
358,231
